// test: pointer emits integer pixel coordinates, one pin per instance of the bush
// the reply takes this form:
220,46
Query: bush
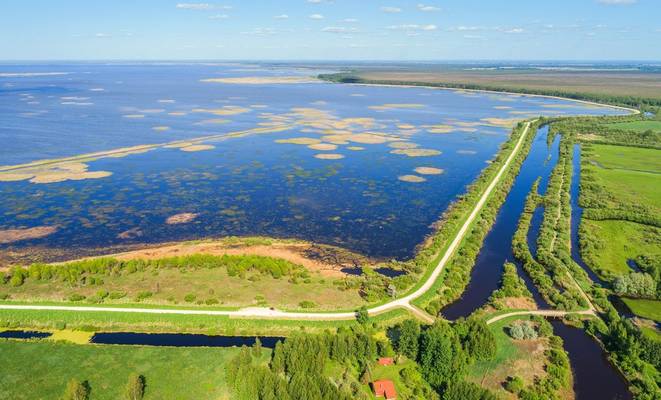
514,384
143,295
135,387
307,304
636,284
211,302
116,295
189,298
76,297
522,330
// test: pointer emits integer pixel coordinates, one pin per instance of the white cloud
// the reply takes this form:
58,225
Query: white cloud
617,2
102,35
219,16
350,20
260,32
391,10
281,16
339,29
202,6
428,8
316,16
514,30
413,27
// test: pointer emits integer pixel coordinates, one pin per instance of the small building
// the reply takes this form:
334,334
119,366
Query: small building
384,388
385,361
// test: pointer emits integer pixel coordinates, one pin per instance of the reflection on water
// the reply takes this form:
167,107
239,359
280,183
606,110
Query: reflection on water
256,183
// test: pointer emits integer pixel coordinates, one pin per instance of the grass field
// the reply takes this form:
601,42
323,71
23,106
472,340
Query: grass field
171,286
631,158
41,370
650,309
630,175
619,241
638,126
600,83
523,358
140,322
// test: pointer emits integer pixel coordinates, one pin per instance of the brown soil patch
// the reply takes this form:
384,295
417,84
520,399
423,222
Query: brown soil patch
326,260
15,235
518,303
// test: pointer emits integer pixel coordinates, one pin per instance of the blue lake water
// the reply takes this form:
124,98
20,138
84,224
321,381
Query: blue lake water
247,183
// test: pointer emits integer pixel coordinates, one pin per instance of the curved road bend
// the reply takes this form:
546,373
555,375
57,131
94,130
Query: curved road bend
267,313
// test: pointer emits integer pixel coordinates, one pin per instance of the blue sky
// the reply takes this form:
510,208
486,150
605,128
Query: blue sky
331,29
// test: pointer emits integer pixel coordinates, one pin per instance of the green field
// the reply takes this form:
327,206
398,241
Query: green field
41,370
615,242
650,309
142,322
639,126
630,175
631,158
171,286
523,358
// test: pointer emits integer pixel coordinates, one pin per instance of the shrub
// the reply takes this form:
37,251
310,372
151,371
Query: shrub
76,297
514,384
189,298
307,304
116,295
143,295
211,301
135,387
522,330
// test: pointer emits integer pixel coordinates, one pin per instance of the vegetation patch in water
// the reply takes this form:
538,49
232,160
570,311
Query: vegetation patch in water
411,178
428,171
416,152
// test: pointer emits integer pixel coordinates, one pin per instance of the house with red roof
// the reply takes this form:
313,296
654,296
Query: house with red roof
384,388
385,361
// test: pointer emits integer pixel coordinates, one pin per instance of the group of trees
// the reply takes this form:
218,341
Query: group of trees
636,284
637,356
77,390
511,285
444,353
92,271
297,366
630,101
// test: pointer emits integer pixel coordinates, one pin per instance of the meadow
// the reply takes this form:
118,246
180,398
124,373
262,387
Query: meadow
638,126
524,358
170,373
650,309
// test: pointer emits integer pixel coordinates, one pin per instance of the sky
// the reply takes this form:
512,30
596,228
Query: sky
331,30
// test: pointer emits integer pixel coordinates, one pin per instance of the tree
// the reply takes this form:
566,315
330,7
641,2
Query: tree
362,316
463,390
76,390
479,342
636,284
514,384
257,348
408,341
135,387
442,359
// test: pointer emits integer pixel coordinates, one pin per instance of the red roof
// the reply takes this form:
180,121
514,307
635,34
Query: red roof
386,361
384,388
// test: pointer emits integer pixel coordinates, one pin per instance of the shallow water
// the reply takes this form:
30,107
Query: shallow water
249,184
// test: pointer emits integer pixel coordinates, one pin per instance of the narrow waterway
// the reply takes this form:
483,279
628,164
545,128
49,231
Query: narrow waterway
497,247
576,214
181,339
594,376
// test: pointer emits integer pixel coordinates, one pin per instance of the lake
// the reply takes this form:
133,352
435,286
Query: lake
229,149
